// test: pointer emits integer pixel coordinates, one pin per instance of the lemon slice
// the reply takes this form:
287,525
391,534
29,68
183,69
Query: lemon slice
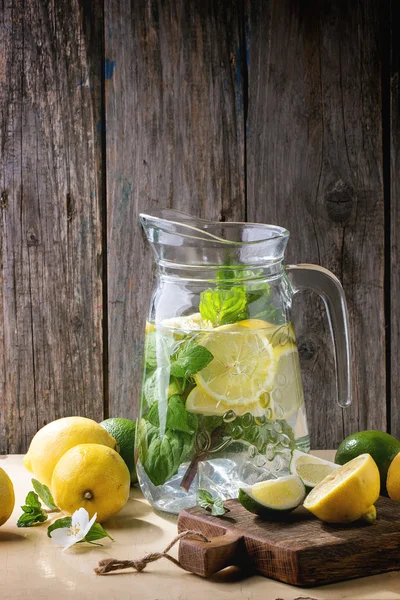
348,493
269,498
286,396
311,469
198,402
242,369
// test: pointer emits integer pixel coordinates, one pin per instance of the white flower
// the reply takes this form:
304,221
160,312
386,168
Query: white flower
80,527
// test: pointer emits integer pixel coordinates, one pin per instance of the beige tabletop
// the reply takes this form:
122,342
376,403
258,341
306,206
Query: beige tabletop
33,567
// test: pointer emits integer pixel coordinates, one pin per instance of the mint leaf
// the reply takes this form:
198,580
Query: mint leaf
32,512
190,359
156,350
204,498
30,519
162,456
59,524
223,306
97,532
156,385
215,506
177,416
44,494
218,509
32,500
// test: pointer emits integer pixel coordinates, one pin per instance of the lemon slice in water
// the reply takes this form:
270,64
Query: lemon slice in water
198,402
242,369
286,396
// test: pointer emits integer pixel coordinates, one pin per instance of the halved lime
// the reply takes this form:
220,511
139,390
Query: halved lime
311,469
242,369
270,498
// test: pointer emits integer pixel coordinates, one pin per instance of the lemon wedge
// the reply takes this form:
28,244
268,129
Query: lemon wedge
348,493
242,369
311,469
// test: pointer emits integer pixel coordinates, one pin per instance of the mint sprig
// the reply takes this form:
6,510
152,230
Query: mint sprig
214,505
33,514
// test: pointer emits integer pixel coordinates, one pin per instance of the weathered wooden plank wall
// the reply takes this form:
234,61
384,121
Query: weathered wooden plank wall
235,109
50,229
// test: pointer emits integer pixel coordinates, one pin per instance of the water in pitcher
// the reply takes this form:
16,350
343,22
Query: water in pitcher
222,407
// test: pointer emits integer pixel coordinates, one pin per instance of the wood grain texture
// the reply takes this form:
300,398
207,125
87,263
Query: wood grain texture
50,228
314,165
299,549
394,218
175,138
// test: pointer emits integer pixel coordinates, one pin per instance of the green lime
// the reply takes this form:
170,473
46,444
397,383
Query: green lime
382,446
124,430
271,498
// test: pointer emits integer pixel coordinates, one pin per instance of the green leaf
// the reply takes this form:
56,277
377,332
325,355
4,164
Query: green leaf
32,500
59,524
30,519
162,456
156,386
223,306
190,358
97,532
215,506
156,350
178,418
204,498
44,494
177,370
218,509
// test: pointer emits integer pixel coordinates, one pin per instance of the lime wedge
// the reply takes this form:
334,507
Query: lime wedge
270,498
311,469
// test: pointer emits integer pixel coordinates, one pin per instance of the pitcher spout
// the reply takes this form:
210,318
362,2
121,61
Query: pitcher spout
179,238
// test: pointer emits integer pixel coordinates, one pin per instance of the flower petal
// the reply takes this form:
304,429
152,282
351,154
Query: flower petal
80,518
63,537
89,525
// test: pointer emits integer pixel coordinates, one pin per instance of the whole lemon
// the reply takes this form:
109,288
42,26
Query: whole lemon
393,479
7,498
54,439
91,476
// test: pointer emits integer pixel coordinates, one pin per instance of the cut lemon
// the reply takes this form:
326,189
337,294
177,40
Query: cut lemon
242,369
273,497
348,493
311,469
286,396
198,402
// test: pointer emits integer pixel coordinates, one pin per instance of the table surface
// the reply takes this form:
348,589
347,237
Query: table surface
33,567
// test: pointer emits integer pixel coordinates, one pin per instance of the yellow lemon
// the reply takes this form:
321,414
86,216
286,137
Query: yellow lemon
393,479
91,476
55,438
7,498
348,493
242,369
198,402
286,394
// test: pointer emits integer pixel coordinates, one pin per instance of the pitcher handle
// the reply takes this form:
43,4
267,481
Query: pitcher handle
328,286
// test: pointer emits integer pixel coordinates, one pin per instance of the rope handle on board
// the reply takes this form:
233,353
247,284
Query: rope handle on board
107,565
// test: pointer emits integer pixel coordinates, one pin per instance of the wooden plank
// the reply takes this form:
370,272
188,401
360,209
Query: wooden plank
394,323
174,139
314,165
50,228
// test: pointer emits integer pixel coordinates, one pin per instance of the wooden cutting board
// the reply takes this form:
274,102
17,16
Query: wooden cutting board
300,550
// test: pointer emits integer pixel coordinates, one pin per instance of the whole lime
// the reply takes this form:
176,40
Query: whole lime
123,431
382,446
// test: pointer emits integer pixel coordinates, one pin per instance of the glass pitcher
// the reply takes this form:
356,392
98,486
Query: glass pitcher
222,402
